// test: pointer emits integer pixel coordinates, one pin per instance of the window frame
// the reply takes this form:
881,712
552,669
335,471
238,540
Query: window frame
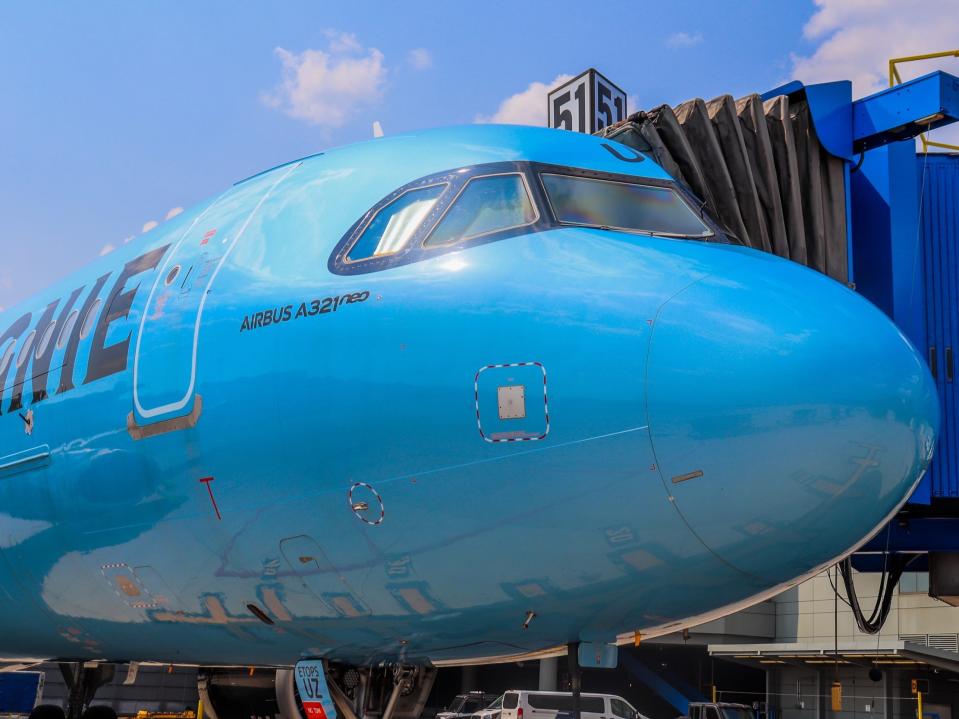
529,196
382,208
710,232
458,178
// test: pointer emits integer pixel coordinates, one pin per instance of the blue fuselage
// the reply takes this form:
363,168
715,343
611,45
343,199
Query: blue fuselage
243,429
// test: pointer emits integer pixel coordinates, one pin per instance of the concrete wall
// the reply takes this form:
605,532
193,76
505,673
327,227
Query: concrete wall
804,693
755,624
805,613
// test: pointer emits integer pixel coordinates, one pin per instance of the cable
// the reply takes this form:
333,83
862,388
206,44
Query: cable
858,165
836,590
896,565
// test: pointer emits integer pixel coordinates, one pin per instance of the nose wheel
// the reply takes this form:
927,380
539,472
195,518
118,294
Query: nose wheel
82,684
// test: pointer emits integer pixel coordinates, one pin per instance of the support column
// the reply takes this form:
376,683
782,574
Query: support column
548,671
468,683
576,677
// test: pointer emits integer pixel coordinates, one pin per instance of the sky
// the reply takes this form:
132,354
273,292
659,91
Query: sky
116,114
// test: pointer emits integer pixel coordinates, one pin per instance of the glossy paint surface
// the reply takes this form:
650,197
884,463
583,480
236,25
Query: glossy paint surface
333,469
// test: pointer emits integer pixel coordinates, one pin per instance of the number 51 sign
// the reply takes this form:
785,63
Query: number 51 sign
587,103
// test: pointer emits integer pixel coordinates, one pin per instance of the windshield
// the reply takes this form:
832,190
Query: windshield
736,713
498,704
486,204
457,705
625,206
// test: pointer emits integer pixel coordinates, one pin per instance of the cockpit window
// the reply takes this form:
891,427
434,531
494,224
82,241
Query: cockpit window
392,228
625,206
470,206
485,205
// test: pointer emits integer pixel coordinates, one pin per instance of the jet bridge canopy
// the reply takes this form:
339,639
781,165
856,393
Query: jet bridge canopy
865,653
760,169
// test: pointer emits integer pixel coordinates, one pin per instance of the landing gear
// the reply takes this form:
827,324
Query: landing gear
82,683
390,691
333,691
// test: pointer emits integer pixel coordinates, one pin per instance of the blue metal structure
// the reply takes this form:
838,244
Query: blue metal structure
226,444
19,691
938,177
670,687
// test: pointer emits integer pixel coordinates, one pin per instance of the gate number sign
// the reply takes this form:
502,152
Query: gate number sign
587,103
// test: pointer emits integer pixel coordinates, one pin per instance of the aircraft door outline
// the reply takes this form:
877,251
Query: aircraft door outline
166,410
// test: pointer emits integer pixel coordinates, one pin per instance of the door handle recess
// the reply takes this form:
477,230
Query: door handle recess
27,459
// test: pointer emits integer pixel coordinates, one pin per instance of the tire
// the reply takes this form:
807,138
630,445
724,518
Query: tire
47,711
101,711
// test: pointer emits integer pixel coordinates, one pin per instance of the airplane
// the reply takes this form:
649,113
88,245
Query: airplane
442,397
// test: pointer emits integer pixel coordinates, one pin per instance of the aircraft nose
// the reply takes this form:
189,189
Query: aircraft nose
789,417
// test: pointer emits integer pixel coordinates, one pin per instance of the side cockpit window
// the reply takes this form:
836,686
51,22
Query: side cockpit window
393,227
485,205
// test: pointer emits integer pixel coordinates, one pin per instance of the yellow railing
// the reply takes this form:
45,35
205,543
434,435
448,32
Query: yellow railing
896,79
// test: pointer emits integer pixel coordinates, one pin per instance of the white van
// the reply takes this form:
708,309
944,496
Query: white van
523,704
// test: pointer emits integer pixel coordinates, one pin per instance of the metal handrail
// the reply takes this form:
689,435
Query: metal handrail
896,79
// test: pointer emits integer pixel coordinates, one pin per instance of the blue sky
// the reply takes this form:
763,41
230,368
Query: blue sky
116,113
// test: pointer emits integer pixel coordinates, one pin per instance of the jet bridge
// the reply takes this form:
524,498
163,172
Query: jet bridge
760,168
808,173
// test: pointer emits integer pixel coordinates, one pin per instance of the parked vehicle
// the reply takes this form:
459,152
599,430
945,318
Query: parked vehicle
493,711
523,704
720,710
463,705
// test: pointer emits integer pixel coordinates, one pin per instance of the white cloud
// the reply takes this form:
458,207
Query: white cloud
856,38
683,39
420,58
128,240
173,212
325,87
147,226
342,43
527,107
107,249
